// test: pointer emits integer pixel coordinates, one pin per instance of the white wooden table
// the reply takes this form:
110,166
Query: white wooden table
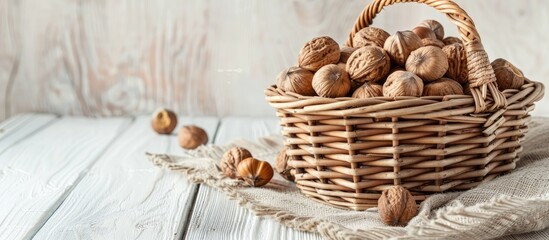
82,178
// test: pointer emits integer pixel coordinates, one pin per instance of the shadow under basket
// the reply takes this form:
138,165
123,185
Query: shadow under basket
345,151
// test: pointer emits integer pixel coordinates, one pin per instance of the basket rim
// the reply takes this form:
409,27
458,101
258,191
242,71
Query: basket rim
426,106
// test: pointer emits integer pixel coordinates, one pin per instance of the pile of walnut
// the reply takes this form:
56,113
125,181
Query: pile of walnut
416,63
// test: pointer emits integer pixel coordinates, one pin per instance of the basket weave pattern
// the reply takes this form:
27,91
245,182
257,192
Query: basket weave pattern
345,151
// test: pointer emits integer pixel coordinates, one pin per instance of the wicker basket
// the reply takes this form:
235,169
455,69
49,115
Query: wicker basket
345,151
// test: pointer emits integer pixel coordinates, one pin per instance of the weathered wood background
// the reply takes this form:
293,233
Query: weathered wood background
111,58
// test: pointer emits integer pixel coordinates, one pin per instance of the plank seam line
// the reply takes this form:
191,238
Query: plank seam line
189,216
41,128
122,129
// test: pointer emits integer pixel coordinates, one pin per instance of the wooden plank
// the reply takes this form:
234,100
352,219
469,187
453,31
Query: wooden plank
9,52
124,196
17,128
110,58
39,171
217,217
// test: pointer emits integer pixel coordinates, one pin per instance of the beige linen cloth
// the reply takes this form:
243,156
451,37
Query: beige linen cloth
510,206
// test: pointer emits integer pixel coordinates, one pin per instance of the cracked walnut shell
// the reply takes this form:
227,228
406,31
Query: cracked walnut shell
396,206
429,63
331,81
507,75
368,64
369,36
403,83
318,52
297,80
231,159
457,62
400,45
443,87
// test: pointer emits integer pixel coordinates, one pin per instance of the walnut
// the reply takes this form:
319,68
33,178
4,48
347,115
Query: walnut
282,167
429,63
396,206
191,136
368,64
403,83
331,81
507,75
368,90
297,80
400,45
369,36
231,159
435,26
443,87
457,62
424,32
432,42
164,121
318,52
450,40
346,53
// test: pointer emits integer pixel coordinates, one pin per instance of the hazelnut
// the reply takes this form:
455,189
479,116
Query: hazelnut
435,26
396,206
400,45
450,40
429,63
457,62
254,172
507,75
346,53
318,52
369,63
432,42
164,121
442,87
231,159
282,167
368,90
331,81
402,83
191,136
424,32
297,80
369,36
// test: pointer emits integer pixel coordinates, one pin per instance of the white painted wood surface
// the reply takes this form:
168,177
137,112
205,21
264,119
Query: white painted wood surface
37,173
216,217
21,126
109,58
124,196
73,178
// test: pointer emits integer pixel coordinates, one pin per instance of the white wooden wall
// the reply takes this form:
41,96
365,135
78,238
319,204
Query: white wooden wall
200,57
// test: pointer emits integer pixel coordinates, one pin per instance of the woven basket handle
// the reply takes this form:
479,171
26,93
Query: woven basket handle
481,75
